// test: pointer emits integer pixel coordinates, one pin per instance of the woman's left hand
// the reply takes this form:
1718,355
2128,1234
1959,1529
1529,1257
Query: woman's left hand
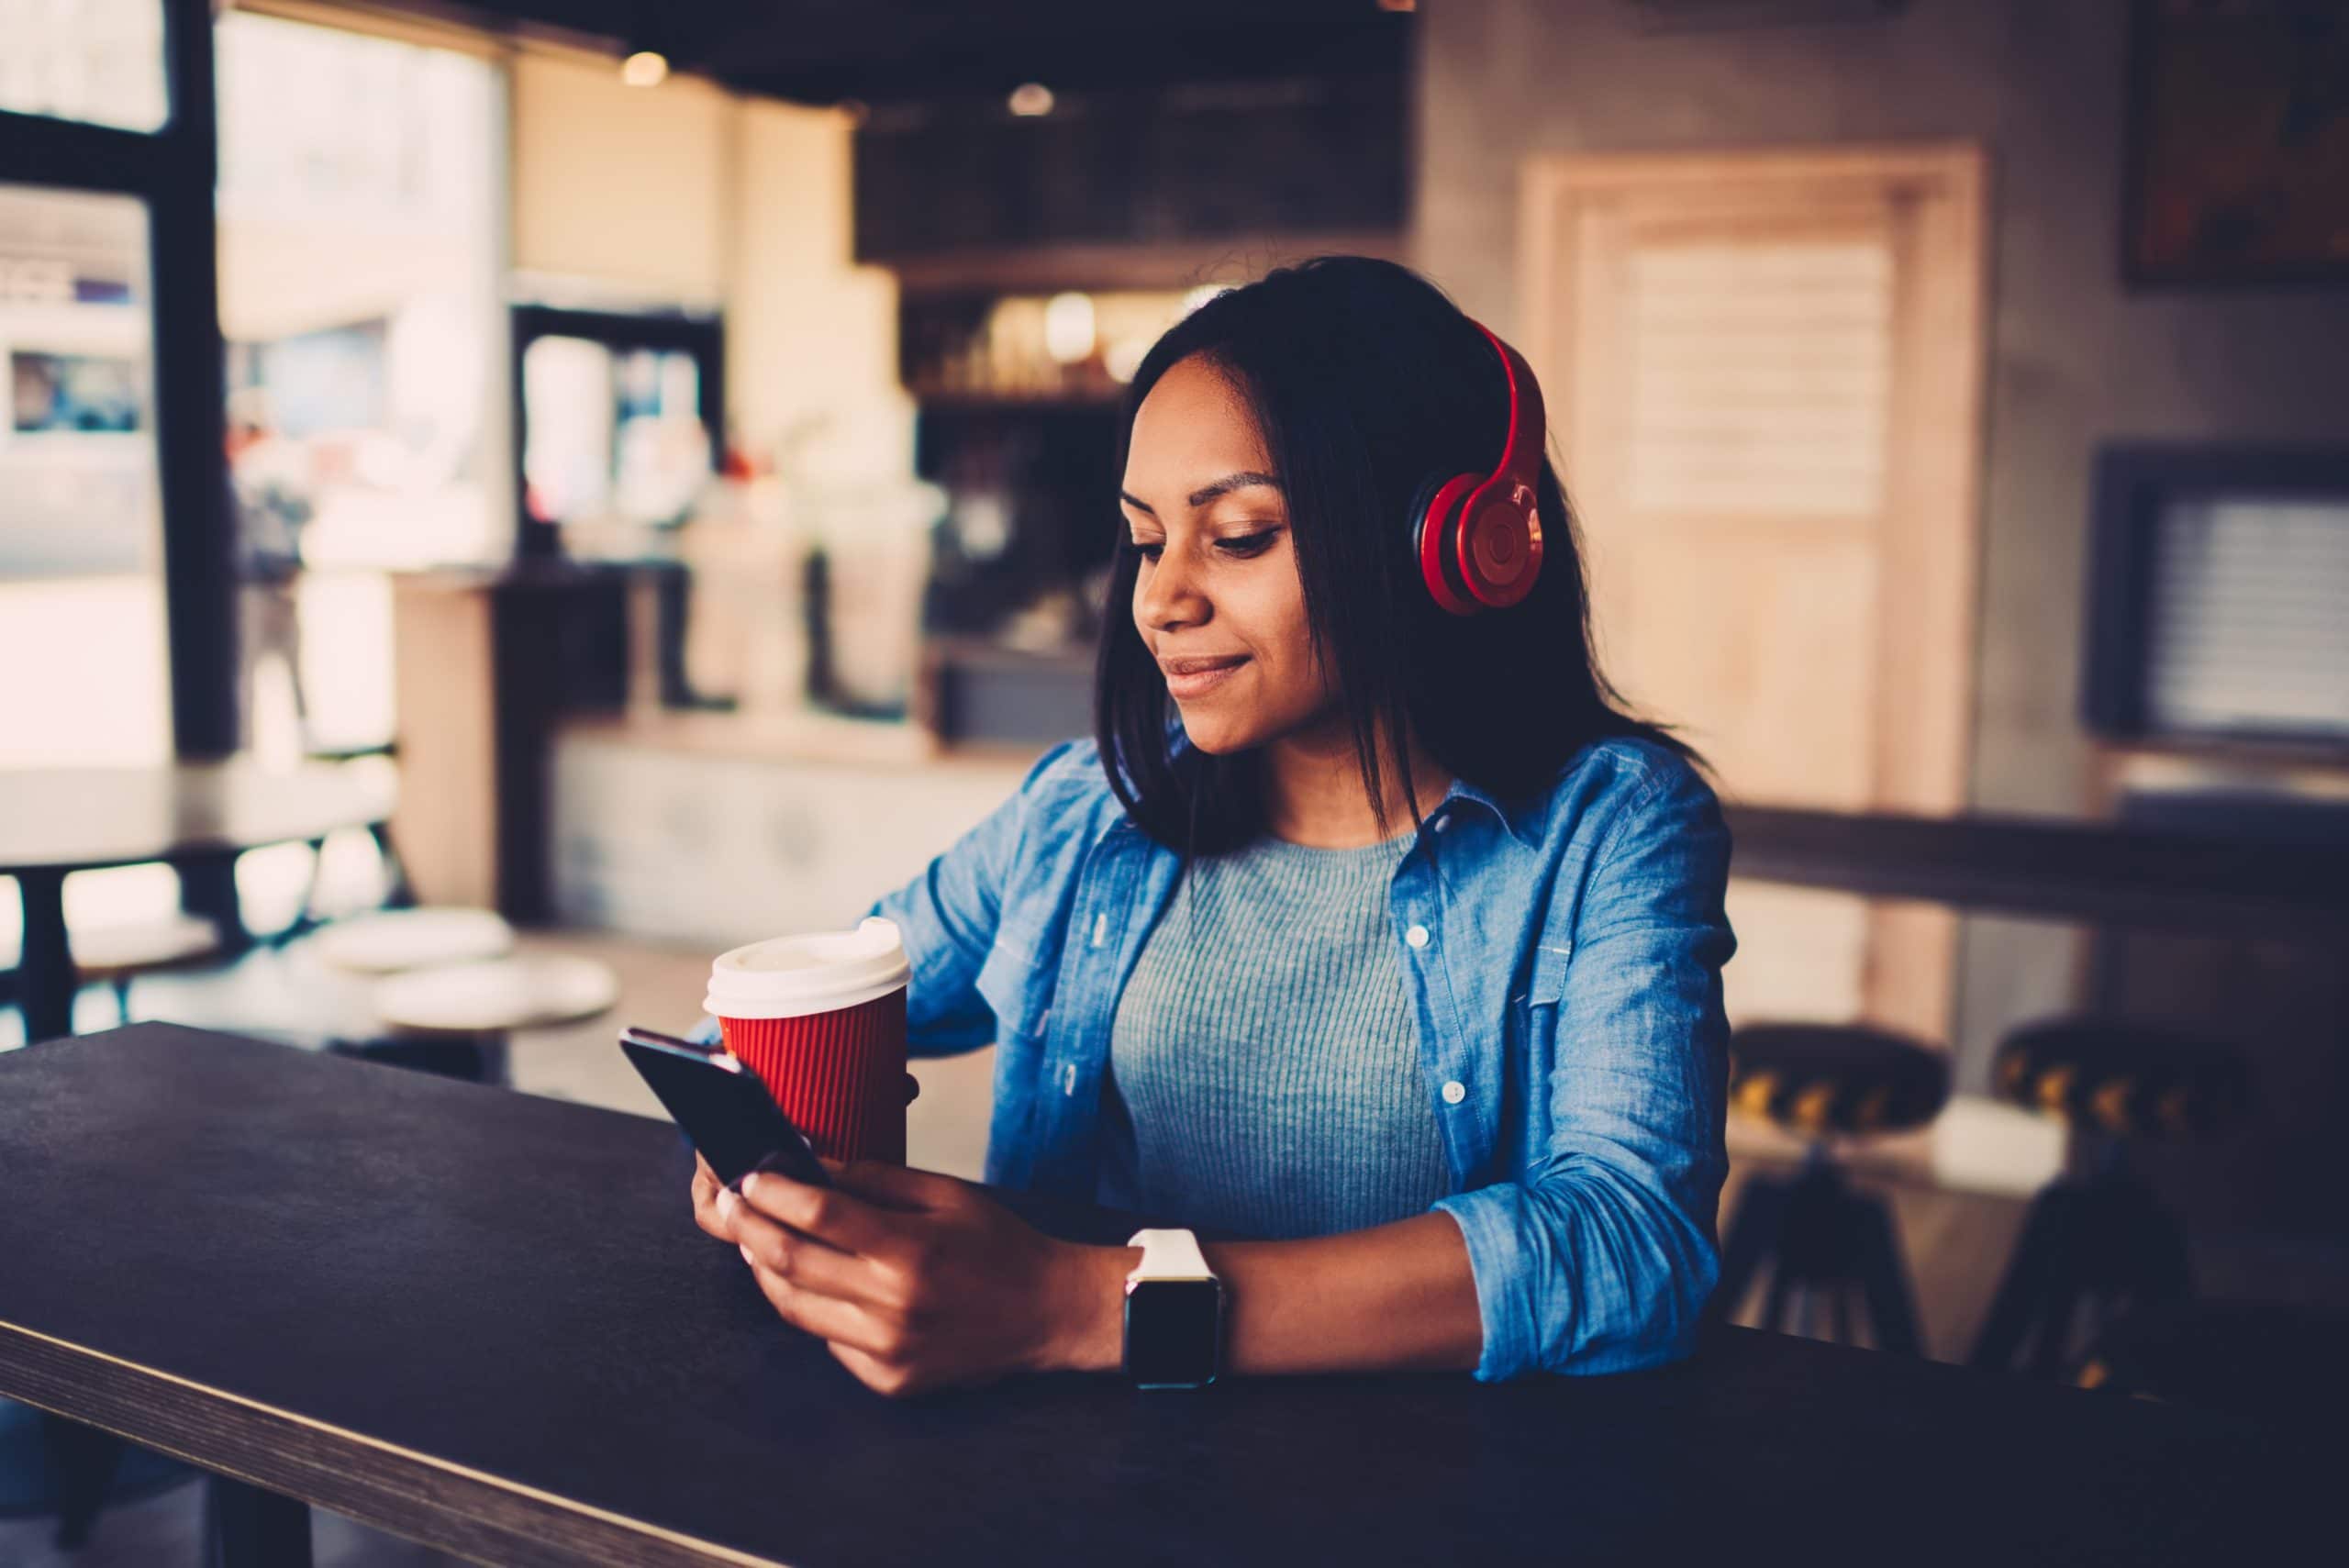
919,1281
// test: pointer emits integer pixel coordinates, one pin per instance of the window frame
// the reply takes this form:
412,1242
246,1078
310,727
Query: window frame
172,171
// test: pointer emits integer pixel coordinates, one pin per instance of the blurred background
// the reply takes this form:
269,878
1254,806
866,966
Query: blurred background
639,476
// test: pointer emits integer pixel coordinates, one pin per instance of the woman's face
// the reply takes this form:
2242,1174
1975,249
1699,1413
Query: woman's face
1218,580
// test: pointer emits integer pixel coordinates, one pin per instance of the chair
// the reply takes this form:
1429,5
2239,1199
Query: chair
398,893
2093,1244
116,956
1822,1240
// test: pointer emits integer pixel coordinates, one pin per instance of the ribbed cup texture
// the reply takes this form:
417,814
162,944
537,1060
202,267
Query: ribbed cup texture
841,1075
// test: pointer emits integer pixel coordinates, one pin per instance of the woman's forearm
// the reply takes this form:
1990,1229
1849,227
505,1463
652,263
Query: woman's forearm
1397,1295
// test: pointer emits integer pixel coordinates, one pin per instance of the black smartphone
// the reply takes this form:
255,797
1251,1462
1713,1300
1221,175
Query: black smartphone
723,1109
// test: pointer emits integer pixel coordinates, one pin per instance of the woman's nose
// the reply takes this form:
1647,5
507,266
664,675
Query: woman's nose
1168,597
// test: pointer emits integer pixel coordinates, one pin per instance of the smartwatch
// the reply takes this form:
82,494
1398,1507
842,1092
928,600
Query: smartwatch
1174,1313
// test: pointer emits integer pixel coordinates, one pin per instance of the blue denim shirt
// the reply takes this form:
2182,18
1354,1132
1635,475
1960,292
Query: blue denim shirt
1564,956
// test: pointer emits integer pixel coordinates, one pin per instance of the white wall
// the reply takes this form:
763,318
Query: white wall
812,337
622,184
685,195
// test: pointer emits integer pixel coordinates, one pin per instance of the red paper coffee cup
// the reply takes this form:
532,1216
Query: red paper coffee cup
821,1019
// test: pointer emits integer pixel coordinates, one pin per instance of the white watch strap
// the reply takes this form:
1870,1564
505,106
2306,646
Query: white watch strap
1168,1254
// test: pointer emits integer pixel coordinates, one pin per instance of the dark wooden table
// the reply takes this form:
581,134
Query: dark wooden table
2084,873
196,816
486,1321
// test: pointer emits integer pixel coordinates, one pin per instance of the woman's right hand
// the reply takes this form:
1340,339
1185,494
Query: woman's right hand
713,1205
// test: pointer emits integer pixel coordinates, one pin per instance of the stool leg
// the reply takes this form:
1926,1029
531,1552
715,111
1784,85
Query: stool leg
398,892
1752,1234
245,1527
85,1460
1892,1311
122,996
306,918
2052,1345
473,1058
1773,1311
2155,1265
2025,1285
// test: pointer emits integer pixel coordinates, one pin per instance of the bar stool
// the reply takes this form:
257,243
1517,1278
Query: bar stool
1820,1237
2099,1240
117,955
389,941
455,1019
2283,1364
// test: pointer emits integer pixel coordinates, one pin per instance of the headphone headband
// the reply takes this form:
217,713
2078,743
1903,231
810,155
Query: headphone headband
1479,537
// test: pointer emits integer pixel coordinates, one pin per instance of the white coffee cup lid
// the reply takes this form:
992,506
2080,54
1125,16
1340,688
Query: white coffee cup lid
822,971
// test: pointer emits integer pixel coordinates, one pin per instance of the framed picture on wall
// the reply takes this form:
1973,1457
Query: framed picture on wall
2238,143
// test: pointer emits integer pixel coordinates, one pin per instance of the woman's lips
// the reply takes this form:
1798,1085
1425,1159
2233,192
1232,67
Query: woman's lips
1199,676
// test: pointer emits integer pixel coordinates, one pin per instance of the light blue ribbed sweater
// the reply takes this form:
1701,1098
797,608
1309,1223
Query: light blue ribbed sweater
1222,1110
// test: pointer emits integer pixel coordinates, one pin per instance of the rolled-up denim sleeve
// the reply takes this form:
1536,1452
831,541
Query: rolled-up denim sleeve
1602,1258
947,916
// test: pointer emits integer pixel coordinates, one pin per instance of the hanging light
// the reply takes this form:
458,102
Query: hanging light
644,61
1032,99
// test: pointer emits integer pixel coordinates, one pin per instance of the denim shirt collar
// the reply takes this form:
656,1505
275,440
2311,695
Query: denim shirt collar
1525,821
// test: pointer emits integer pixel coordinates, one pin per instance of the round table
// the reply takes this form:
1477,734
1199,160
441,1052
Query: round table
196,817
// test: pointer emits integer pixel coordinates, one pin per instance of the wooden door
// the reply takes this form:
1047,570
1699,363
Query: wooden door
1764,371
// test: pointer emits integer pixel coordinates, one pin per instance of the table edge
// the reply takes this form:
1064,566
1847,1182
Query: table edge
419,1495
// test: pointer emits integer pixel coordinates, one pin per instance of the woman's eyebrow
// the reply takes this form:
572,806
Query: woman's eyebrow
1207,493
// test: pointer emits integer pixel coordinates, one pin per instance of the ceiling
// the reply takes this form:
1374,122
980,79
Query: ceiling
879,51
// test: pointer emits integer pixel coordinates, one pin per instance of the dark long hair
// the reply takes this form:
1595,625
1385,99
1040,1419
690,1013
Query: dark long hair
1365,382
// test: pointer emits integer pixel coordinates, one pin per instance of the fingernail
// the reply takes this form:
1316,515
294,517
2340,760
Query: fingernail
747,1182
746,1253
726,1201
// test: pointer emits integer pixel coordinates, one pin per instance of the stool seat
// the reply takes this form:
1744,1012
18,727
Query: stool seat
496,995
1818,1079
394,939
2124,1078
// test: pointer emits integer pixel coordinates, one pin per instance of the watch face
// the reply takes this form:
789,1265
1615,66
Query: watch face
1173,1329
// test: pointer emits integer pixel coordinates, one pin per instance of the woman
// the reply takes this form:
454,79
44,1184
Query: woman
1441,1011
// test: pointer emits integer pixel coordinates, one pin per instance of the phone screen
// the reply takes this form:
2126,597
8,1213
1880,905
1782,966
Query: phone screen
723,1109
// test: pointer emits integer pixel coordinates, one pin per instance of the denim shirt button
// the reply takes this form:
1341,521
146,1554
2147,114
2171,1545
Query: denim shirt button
1455,1092
1416,936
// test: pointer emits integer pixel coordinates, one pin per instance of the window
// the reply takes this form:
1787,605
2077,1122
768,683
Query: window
99,62
80,520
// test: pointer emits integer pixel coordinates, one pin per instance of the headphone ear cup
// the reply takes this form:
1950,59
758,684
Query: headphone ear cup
1419,504
1436,543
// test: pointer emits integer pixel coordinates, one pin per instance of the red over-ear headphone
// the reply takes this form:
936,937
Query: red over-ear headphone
1478,536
